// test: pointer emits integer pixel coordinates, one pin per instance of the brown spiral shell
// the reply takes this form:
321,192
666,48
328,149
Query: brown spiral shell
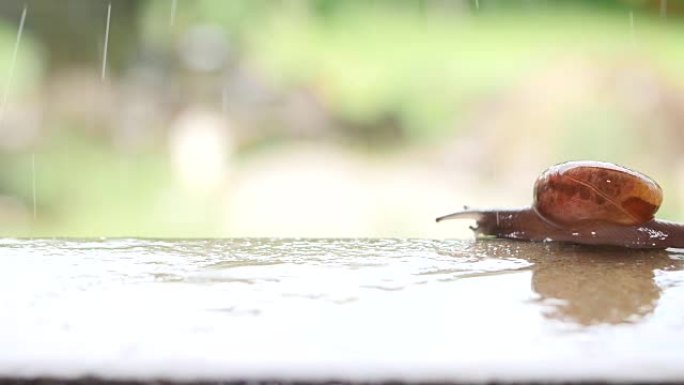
588,191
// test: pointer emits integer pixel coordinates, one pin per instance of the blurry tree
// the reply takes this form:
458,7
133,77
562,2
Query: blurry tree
72,31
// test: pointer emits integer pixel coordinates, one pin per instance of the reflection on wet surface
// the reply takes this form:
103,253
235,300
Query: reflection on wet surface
602,287
589,285
462,310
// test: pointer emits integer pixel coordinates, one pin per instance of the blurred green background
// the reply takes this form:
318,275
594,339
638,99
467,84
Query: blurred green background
323,118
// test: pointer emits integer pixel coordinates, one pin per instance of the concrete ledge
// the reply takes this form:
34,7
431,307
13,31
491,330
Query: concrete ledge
134,311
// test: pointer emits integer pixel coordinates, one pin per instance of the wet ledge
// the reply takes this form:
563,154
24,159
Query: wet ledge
345,310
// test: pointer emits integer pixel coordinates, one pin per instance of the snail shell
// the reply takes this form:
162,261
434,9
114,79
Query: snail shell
586,191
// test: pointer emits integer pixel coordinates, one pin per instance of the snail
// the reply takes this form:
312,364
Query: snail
585,202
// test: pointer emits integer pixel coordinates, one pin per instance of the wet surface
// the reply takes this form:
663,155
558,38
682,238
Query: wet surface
356,309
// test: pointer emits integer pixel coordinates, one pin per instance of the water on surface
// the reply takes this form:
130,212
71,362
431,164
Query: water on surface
356,308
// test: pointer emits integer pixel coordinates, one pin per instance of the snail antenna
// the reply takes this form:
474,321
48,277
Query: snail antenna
464,214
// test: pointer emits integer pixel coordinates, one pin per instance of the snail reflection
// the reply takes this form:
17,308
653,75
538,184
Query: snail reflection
600,286
585,202
589,285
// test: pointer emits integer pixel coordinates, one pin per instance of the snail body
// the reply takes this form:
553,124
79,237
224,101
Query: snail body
585,202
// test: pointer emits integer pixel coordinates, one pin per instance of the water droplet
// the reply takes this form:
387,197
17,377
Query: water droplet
106,41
